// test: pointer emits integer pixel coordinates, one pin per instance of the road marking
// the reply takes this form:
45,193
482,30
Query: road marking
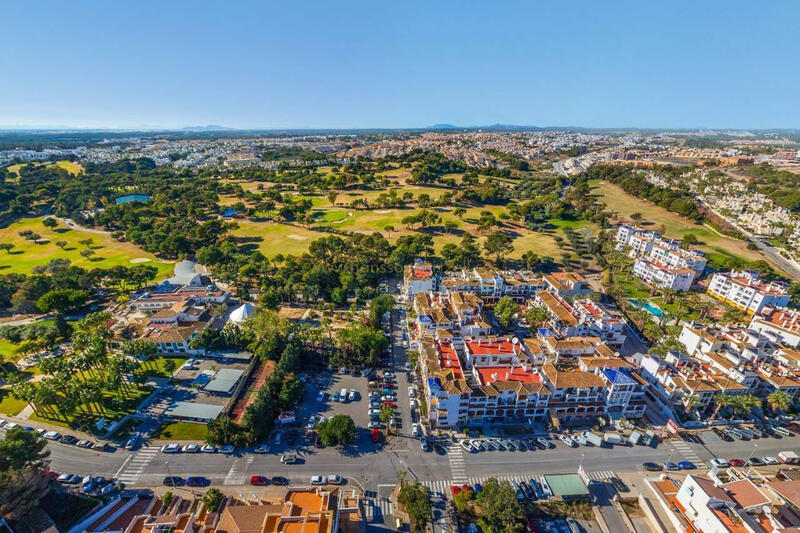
237,475
137,464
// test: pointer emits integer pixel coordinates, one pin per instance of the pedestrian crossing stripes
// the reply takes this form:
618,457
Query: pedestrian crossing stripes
686,452
377,509
458,469
137,465
441,487
237,475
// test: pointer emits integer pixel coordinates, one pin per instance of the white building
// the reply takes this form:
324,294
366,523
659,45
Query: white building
743,291
664,276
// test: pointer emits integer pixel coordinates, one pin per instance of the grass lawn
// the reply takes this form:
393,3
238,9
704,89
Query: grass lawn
7,350
8,405
675,226
155,367
182,431
273,238
111,409
69,166
108,252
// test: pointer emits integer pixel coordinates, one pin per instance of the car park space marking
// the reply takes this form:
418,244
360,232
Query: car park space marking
138,464
237,475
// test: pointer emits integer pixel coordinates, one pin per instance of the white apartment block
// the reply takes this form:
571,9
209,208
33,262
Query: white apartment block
664,276
660,262
743,291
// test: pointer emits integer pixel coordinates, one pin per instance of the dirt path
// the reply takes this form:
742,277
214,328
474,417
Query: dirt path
71,224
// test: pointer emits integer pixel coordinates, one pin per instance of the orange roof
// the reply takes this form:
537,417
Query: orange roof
448,359
746,494
490,374
491,347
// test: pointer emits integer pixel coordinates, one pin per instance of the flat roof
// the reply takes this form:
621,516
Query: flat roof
201,411
567,485
224,380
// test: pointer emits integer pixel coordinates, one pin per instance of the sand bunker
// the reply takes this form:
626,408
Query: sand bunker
140,260
296,237
383,211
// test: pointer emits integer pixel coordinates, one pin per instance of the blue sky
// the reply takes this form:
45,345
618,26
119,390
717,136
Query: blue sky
330,64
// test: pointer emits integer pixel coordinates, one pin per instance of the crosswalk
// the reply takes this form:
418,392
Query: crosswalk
441,487
686,452
130,472
378,509
458,469
237,475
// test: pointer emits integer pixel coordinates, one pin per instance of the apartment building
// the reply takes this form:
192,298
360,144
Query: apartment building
784,323
460,314
418,278
473,382
582,318
658,261
744,291
491,284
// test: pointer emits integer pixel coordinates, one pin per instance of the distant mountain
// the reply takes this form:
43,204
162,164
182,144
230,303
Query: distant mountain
210,127
443,127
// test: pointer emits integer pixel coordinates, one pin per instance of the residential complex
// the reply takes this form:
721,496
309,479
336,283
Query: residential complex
658,261
744,291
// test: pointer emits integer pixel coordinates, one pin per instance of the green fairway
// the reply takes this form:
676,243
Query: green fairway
108,252
69,166
156,366
182,431
673,225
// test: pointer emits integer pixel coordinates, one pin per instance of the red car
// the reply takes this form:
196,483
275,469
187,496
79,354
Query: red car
259,480
455,489
51,475
736,462
376,435
388,404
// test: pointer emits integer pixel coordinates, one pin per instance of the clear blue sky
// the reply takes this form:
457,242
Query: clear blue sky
708,63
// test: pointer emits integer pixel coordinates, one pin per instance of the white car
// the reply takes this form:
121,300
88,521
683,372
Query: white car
352,396
568,441
170,448
317,480
415,430
52,435
719,463
374,412
335,479
467,447
262,448
11,425
412,403
412,392
208,448
407,366
2,422
771,460
191,448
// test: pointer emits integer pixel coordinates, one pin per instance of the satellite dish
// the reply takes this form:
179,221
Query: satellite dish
515,341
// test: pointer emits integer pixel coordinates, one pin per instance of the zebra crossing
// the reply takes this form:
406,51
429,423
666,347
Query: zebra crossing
377,509
683,449
458,469
130,472
237,475
441,487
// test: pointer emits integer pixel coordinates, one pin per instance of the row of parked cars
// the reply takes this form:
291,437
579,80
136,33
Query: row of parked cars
196,448
93,485
55,436
732,433
505,445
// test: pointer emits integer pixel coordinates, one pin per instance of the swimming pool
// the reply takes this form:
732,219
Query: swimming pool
650,308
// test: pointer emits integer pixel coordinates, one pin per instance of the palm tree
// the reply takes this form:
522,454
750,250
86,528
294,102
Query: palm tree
744,403
779,400
669,295
690,401
722,400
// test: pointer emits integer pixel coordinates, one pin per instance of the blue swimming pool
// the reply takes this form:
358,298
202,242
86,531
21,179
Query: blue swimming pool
650,308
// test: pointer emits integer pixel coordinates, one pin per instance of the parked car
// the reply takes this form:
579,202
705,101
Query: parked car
174,481
336,396
321,396
279,480
352,395
770,460
652,467
544,442
687,465
335,479
68,439
101,446
227,449
755,461
85,443
671,466
375,425
736,462
52,435
191,448
288,458
208,448
261,448
568,441
197,481
317,480
719,463
467,446
169,448
618,484
132,442
259,480
415,430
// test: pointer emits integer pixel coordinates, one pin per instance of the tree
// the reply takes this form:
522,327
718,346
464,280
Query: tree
636,216
21,449
291,392
221,431
61,300
23,459
49,222
6,246
462,499
779,400
379,306
415,501
460,212
504,310
61,244
212,499
537,315
337,431
500,509
386,414
498,244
